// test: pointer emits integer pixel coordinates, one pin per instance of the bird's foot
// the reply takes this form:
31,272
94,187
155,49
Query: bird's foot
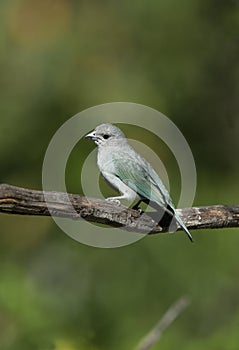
138,209
113,200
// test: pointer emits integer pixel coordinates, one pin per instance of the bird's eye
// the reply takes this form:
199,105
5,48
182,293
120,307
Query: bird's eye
106,136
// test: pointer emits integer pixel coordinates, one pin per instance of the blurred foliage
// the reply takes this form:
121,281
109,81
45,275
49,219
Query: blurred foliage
59,57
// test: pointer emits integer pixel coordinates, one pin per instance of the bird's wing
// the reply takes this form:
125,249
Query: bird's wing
141,177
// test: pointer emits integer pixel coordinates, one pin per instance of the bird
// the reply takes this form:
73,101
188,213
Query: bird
129,173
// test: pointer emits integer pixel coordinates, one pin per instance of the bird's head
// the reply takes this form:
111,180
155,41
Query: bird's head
106,134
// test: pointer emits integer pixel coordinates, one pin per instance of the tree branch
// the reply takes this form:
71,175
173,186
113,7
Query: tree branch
16,200
170,315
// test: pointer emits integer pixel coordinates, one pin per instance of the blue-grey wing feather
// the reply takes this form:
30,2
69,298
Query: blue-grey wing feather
141,177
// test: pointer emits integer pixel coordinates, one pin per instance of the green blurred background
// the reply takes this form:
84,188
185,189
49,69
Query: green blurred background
60,57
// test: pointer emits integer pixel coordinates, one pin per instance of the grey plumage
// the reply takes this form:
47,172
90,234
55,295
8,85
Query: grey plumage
128,172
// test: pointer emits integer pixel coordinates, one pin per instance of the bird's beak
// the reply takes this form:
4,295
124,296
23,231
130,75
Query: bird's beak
91,136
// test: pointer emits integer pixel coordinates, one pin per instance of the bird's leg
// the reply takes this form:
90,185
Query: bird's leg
136,206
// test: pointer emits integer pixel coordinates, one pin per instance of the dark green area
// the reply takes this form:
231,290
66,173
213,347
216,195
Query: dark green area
58,58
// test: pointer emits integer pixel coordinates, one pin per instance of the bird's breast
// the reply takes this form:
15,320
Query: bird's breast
105,159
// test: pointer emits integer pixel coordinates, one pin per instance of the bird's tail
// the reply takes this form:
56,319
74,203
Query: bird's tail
172,212
184,227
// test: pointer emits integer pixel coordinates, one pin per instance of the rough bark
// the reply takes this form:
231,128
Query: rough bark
16,200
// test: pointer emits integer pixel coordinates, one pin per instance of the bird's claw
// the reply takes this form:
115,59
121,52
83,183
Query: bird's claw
113,200
139,210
